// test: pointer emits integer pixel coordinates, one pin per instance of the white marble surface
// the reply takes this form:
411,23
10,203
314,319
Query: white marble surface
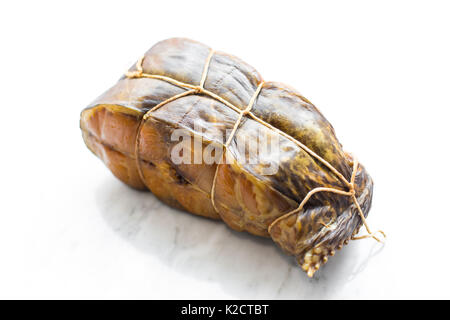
102,239
89,236
69,229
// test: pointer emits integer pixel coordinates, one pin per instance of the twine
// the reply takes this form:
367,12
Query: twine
193,89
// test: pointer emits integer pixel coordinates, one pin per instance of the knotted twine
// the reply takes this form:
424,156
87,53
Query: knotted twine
193,89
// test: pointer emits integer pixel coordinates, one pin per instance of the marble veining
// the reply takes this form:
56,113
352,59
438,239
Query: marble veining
242,265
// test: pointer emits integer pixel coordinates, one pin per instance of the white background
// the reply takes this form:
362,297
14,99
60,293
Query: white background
378,70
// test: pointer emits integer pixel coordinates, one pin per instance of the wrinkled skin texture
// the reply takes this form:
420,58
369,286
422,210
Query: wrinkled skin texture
245,199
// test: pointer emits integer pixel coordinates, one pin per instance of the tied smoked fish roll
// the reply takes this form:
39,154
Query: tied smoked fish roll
315,197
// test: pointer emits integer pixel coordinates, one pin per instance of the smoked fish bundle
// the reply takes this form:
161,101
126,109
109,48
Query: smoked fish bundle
306,193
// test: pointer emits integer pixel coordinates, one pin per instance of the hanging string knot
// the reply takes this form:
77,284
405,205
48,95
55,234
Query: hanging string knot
371,235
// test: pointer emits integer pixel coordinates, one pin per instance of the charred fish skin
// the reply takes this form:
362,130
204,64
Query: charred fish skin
179,83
